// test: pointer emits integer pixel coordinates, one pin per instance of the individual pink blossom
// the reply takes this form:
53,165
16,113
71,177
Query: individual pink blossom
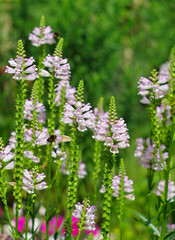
6,156
30,155
79,114
159,191
170,227
21,223
30,182
22,68
38,37
82,170
12,140
164,73
57,66
52,225
149,156
69,94
40,110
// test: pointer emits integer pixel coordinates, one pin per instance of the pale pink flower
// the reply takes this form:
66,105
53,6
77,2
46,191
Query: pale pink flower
159,191
22,68
38,37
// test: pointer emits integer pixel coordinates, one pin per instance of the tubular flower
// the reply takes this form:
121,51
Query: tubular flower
59,67
116,185
39,37
22,68
69,94
164,74
79,114
149,156
158,88
6,156
32,180
40,109
81,170
30,155
89,223
163,113
114,135
159,191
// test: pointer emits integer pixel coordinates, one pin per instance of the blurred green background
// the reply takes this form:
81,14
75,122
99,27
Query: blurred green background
110,44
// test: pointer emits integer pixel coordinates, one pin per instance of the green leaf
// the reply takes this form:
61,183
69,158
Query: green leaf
170,235
147,223
51,215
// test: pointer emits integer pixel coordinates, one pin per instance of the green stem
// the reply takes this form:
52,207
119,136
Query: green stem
48,192
8,216
33,221
121,230
16,226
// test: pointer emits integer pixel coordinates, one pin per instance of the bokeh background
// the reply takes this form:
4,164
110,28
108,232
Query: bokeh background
110,44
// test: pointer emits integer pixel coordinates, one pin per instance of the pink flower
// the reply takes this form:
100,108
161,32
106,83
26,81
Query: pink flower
21,222
115,135
52,225
45,37
75,229
22,68
29,108
33,180
95,232
159,191
80,114
148,156
59,66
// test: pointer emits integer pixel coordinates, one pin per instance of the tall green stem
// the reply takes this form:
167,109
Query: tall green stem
48,191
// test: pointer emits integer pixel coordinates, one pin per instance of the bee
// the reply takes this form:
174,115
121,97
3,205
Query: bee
64,138
51,139
56,35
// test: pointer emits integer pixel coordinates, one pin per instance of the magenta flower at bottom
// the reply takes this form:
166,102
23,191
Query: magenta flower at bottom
52,225
21,222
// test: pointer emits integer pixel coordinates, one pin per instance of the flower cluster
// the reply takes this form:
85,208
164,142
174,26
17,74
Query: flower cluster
163,113
89,215
116,185
59,67
69,94
22,68
114,135
57,223
159,88
149,156
40,37
39,108
80,114
32,180
159,191
81,170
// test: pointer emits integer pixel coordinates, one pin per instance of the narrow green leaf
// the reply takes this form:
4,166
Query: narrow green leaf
147,223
